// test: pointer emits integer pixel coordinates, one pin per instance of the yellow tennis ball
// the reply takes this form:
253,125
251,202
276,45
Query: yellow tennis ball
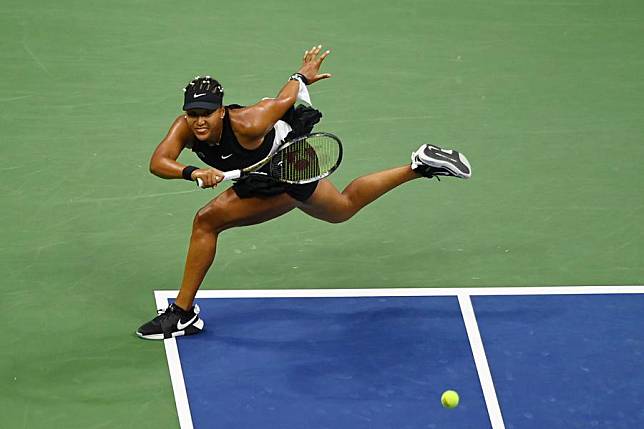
449,399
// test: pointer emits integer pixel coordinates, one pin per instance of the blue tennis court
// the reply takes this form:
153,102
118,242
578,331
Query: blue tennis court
566,361
556,361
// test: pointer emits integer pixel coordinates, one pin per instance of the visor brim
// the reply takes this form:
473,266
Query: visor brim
201,105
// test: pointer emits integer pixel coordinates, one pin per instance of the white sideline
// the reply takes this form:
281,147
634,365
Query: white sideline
480,360
464,298
176,373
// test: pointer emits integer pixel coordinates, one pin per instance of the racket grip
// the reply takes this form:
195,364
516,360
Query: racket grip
228,175
231,175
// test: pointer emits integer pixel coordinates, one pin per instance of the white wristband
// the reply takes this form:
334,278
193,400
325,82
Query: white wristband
303,93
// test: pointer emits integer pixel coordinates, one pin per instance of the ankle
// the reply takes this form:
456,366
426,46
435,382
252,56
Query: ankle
182,306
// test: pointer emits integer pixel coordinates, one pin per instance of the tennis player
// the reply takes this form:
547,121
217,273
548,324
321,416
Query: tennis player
232,137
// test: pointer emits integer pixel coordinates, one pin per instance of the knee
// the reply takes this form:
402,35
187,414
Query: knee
208,219
341,211
340,217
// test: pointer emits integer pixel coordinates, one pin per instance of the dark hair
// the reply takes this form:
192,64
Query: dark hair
203,93
205,84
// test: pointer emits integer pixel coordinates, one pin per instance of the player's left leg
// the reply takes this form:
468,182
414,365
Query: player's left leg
330,205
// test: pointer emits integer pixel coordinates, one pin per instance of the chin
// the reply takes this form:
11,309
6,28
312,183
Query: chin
202,137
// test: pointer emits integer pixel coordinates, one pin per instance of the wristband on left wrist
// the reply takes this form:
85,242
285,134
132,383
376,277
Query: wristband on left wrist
299,76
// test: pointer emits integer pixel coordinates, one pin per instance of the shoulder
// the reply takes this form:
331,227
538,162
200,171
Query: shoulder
248,121
179,130
180,123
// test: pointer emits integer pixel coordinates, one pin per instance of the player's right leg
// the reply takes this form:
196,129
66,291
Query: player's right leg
225,211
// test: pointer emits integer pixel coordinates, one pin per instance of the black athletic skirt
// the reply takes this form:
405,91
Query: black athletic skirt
259,186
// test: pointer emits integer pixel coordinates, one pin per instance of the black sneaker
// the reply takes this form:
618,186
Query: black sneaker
432,161
172,322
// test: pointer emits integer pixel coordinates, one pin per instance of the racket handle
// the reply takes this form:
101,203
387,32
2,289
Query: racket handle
231,175
228,175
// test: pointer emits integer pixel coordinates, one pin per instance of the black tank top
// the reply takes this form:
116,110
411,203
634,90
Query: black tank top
229,154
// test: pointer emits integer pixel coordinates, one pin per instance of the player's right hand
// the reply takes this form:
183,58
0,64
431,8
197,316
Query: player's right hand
210,177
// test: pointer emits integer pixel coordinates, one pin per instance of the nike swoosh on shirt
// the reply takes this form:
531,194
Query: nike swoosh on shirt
199,95
226,156
182,326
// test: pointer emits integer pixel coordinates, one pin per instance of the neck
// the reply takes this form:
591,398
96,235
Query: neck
219,131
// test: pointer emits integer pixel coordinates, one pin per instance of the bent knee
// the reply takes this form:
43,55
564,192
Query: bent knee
337,216
340,211
209,218
340,218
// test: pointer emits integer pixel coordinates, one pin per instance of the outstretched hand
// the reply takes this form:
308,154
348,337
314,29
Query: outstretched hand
311,64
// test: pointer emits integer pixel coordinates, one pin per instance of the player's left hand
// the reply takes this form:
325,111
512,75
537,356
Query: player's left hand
311,64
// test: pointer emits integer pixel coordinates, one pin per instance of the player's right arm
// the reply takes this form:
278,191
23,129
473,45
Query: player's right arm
164,159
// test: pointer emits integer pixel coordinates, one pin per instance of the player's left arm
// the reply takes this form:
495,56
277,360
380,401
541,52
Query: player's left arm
261,117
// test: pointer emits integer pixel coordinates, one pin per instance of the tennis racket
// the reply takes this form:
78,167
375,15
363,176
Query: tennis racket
300,160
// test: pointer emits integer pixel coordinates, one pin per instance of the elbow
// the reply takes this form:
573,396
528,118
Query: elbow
154,167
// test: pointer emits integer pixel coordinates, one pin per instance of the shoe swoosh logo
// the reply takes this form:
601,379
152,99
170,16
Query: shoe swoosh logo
199,95
443,156
226,156
446,156
182,326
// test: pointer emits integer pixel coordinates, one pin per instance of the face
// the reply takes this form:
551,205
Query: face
205,124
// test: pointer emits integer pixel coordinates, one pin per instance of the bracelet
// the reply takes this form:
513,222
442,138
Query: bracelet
300,77
187,172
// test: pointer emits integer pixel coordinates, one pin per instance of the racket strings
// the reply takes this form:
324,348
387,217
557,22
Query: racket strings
306,159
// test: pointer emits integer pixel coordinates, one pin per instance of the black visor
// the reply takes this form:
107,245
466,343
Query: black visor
203,93
197,101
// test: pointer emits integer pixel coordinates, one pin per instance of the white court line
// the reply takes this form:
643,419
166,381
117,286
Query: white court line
176,373
463,294
337,293
480,360
35,58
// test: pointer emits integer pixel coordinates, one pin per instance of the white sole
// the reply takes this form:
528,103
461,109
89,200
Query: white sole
446,164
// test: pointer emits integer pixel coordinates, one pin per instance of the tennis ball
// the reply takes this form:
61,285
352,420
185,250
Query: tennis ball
449,399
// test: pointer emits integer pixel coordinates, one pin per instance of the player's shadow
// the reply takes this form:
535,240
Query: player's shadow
365,353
